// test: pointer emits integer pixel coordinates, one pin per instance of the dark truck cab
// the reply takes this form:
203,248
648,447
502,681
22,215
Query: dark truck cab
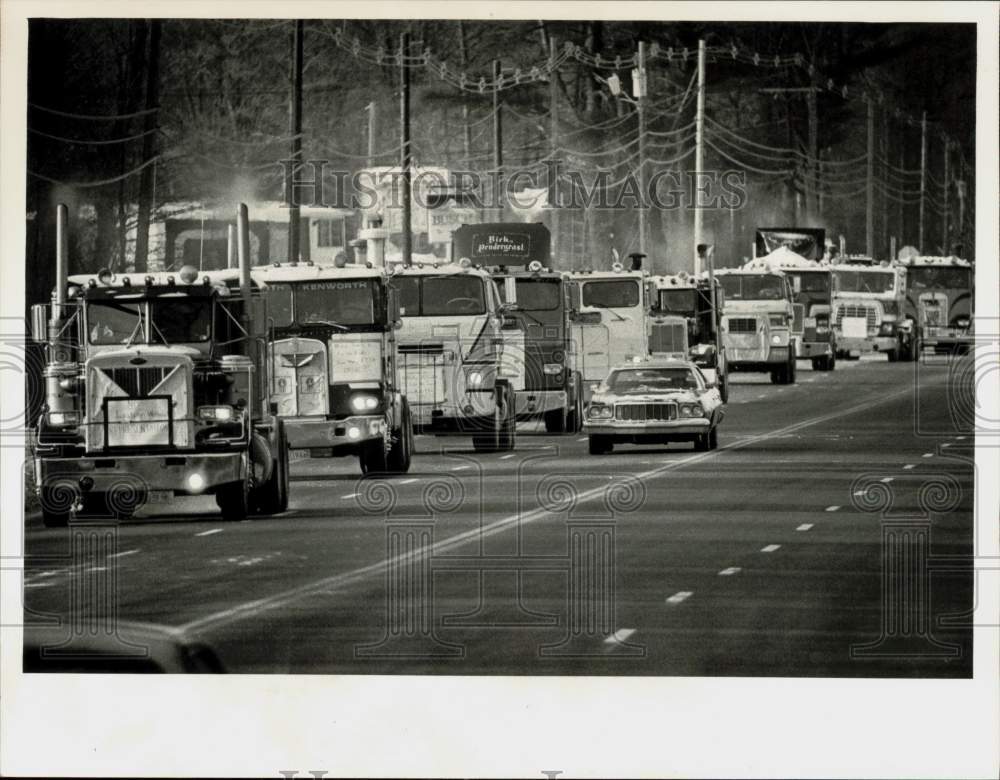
537,339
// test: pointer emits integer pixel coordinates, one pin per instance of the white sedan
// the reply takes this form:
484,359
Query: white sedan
654,402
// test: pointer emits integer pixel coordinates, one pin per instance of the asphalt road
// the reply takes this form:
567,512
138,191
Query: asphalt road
828,535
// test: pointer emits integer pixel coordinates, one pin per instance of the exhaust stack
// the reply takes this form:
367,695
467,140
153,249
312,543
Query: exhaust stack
243,253
58,313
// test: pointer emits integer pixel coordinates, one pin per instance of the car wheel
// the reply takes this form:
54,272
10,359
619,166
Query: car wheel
599,445
713,438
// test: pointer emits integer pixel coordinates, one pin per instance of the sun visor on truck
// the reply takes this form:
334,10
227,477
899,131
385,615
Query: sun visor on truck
502,243
807,242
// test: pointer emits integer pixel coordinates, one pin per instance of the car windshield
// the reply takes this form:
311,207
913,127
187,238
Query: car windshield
679,302
344,302
174,320
753,287
878,282
652,380
941,278
611,294
538,294
441,296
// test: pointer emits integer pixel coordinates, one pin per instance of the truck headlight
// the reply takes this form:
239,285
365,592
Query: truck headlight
216,413
776,338
962,322
552,369
474,379
600,411
64,418
364,402
887,328
822,326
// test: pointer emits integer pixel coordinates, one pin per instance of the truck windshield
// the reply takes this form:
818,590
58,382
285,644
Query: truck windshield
679,302
174,321
344,302
941,278
878,282
753,287
651,380
440,296
611,294
812,281
538,294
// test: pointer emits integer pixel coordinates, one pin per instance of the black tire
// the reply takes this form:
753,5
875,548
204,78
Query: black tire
401,452
818,363
234,501
372,457
56,507
599,445
574,418
792,366
831,362
272,496
713,438
508,430
701,443
501,438
778,376
724,387
892,354
556,421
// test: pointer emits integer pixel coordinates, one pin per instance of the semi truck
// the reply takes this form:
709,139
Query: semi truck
868,309
334,369
156,386
941,302
538,356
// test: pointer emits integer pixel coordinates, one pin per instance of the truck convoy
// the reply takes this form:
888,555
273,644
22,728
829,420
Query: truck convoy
610,327
941,301
537,329
156,385
868,309
757,322
685,322
334,373
451,351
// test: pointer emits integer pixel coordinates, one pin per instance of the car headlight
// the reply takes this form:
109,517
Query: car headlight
64,418
364,402
690,410
552,369
601,411
216,413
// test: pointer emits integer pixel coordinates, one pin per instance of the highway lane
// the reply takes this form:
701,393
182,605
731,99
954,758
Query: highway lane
756,559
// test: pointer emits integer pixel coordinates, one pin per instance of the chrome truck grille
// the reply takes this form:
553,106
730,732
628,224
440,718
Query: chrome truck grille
742,324
868,313
649,412
668,337
136,382
299,383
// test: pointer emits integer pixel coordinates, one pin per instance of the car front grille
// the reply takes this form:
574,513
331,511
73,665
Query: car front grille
645,412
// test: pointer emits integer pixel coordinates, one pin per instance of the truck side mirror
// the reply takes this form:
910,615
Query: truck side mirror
40,322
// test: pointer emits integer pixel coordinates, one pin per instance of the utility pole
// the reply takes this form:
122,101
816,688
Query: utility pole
497,143
639,86
947,187
554,148
923,178
370,108
699,155
405,154
466,129
812,206
870,184
295,130
148,146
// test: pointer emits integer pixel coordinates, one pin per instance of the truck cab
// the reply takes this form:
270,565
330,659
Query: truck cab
334,373
941,302
868,308
757,322
610,326
451,352
685,323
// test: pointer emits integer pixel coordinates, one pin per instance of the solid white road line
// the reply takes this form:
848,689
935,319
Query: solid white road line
508,457
887,479
210,532
461,468
123,554
619,636
945,445
38,584
583,438
730,571
350,495
680,596
833,508
325,584
804,527
959,438
909,466
770,548
927,455
409,481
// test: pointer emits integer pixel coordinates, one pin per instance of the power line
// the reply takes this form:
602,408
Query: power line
94,117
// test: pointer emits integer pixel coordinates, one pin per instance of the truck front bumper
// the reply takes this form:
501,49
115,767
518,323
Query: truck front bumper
318,432
529,403
179,472
866,345
813,349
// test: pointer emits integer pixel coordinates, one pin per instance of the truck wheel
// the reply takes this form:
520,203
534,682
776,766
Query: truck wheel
574,419
892,354
778,376
401,451
599,445
234,501
508,430
272,497
57,503
372,457
556,421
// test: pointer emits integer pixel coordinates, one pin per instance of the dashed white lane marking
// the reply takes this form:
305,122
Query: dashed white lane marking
583,438
945,445
770,548
97,568
349,495
730,571
409,481
804,527
909,466
927,455
959,438
38,584
680,596
43,574
512,455
619,636
887,479
833,508
210,532
461,468
124,553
